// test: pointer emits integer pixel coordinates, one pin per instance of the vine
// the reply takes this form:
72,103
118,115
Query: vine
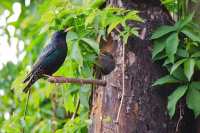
178,47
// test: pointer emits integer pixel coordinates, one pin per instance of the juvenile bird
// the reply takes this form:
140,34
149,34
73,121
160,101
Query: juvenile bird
106,63
50,60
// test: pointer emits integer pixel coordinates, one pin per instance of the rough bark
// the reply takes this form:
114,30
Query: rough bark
143,107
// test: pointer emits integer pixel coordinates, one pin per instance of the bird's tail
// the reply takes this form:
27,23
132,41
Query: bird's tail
27,78
28,86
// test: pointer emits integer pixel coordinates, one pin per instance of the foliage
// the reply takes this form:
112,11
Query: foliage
171,5
51,106
178,46
183,7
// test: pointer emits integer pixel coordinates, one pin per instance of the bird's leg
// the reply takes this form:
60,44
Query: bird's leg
49,76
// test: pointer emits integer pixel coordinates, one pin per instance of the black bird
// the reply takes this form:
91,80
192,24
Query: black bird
106,63
50,60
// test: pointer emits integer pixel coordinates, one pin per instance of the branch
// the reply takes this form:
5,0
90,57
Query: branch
75,80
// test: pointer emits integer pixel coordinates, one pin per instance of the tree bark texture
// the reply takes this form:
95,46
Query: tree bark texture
144,107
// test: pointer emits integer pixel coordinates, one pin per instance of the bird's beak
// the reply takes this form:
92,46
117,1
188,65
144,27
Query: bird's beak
68,29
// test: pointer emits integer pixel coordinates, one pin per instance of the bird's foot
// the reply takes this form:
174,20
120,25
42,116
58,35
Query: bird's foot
51,77
48,76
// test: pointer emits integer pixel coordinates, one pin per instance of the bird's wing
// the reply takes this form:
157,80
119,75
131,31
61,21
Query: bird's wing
48,50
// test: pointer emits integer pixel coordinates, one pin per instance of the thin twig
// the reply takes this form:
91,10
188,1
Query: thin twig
123,88
26,107
180,117
75,80
76,111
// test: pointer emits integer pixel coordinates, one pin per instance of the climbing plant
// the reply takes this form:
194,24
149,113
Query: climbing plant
178,47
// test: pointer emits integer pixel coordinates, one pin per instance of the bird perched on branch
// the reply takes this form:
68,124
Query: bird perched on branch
50,60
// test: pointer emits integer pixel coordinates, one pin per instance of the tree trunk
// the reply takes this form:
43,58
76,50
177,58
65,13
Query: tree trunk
143,108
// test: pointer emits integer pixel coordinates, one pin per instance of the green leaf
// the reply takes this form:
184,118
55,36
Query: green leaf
195,85
59,131
172,44
184,21
161,31
165,80
176,65
171,58
173,99
193,100
92,43
133,15
71,36
134,31
76,54
159,56
97,3
84,96
167,62
189,68
113,25
197,63
182,52
158,47
179,74
90,18
189,32
197,54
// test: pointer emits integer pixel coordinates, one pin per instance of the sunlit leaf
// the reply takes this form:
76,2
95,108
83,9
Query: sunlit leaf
71,36
76,54
92,43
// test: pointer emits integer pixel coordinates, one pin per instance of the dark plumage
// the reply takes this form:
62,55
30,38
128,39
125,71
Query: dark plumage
50,60
106,63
